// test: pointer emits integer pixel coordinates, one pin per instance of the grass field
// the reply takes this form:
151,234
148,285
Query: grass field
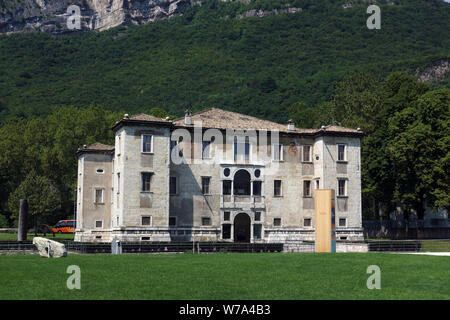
30,236
226,276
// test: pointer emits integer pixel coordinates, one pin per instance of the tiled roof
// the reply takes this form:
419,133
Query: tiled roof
222,119
97,147
339,129
145,117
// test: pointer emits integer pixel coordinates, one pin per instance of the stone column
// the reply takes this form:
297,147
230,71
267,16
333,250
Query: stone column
23,215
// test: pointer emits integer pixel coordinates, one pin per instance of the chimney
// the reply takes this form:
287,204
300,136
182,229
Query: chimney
187,117
291,125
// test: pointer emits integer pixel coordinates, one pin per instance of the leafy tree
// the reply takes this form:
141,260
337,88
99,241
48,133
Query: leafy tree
158,112
420,151
3,221
43,199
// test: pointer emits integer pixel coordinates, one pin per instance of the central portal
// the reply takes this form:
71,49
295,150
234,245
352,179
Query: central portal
242,228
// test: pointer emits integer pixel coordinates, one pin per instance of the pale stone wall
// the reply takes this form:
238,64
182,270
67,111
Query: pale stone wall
189,205
88,212
133,202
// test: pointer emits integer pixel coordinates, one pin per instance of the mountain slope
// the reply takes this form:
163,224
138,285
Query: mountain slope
210,58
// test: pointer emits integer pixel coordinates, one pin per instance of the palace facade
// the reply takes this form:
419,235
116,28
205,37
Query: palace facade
216,176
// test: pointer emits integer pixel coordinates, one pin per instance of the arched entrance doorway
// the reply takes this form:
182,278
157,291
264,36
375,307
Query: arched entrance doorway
242,228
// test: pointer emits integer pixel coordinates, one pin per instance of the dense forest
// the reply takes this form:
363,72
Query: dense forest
319,66
210,58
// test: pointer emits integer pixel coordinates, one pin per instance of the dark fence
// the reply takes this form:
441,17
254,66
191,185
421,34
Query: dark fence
154,247
400,230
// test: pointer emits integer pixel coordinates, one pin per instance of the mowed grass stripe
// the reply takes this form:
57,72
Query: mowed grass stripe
226,276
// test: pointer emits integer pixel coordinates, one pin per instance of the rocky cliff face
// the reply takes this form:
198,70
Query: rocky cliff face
53,15
57,16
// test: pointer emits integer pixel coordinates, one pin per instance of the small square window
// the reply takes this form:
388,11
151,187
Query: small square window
146,220
342,222
226,216
99,223
277,222
307,222
257,216
206,221
172,221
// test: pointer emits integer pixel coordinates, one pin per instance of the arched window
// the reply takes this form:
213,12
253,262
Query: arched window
241,181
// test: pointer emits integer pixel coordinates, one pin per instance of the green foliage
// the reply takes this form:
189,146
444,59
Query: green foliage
406,153
47,146
158,112
211,59
43,198
3,221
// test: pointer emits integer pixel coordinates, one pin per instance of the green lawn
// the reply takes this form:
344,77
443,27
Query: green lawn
226,276
30,236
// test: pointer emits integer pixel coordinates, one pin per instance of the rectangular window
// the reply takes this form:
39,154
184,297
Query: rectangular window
317,184
118,183
206,146
173,185
342,188
226,216
172,221
257,230
146,220
98,195
256,188
241,149
342,222
147,143
306,154
205,184
307,188
206,221
99,223
257,216
226,231
342,152
307,222
226,186
146,180
277,154
277,222
277,188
